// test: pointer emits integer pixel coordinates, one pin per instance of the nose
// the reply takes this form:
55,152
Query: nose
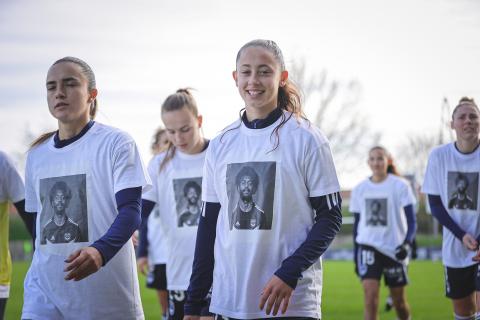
59,92
253,79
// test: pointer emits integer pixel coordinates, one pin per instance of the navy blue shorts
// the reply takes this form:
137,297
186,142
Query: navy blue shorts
461,282
372,264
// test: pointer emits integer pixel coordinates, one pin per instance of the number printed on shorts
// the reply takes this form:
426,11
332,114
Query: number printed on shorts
368,257
177,295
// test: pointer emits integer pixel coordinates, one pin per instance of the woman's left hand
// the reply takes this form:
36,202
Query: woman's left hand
82,263
274,293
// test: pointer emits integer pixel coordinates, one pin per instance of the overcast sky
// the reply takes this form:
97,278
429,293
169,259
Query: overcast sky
407,55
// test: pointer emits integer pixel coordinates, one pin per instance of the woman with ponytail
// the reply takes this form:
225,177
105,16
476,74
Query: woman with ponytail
271,201
177,179
384,228
452,186
84,183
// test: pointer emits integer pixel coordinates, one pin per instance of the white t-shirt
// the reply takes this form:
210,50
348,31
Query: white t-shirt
11,190
11,184
177,192
454,177
383,224
157,247
81,179
265,212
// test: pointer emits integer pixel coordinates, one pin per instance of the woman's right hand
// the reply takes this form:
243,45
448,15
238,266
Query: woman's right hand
142,264
470,242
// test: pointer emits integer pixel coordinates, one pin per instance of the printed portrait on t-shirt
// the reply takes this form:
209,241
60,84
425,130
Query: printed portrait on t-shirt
250,190
188,196
64,216
376,210
462,190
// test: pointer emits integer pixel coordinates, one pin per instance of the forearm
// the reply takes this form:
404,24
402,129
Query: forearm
441,214
147,207
328,221
124,225
203,262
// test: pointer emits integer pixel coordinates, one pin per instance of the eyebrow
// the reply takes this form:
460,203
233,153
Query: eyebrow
63,80
185,126
260,66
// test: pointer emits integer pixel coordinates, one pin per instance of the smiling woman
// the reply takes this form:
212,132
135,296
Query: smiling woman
84,183
268,176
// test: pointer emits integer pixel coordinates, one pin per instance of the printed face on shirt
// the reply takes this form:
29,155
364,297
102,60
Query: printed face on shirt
463,190
376,212
192,196
65,219
246,187
68,96
258,77
250,191
59,201
187,193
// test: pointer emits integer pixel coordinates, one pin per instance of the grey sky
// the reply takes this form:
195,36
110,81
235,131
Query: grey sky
407,55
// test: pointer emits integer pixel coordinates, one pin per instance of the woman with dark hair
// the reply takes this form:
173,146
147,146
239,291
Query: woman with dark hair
451,183
92,278
384,228
275,269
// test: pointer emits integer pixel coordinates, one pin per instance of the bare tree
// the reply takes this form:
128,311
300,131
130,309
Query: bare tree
337,114
413,153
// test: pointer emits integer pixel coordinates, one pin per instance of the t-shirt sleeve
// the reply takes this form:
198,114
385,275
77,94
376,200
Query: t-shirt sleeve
320,174
153,170
30,195
13,183
209,193
128,168
406,195
354,205
430,182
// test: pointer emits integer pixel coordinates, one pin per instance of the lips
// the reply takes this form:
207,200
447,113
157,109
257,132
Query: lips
61,104
254,93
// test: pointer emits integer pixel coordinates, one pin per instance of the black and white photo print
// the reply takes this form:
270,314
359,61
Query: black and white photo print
462,190
376,210
250,190
188,199
64,216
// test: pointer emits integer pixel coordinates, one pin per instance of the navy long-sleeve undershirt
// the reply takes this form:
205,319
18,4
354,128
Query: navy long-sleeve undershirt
411,223
203,260
328,220
127,221
441,214
147,207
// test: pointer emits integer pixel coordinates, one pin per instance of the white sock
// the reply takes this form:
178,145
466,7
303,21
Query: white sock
457,317
477,316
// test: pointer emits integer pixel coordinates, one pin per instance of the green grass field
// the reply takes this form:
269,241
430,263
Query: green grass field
342,294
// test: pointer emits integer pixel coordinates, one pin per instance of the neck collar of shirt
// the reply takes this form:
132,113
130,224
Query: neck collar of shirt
465,153
63,143
262,123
